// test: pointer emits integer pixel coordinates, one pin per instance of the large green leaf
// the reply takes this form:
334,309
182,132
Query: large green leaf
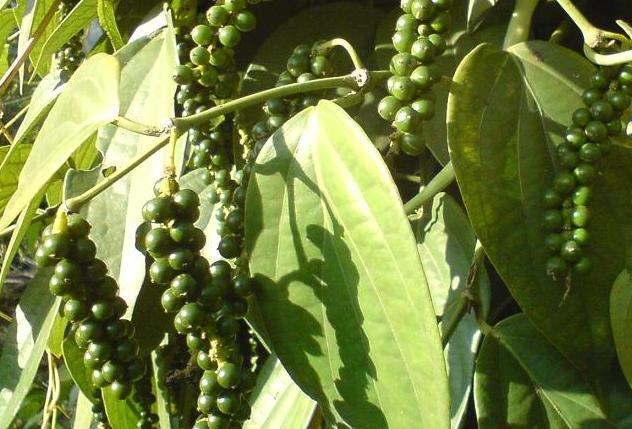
522,381
78,18
621,321
277,402
89,100
506,112
24,345
446,246
343,293
147,97
33,14
461,41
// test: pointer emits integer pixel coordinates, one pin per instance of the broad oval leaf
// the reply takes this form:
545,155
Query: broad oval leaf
343,293
277,402
506,112
521,380
24,344
89,100
446,246
621,321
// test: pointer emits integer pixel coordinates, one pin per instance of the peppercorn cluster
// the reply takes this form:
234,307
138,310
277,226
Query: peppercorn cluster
71,54
305,63
586,141
91,303
207,71
419,40
207,300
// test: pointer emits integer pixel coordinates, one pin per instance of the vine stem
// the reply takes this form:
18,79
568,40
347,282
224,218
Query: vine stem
437,184
17,63
353,54
352,81
593,37
520,23
43,214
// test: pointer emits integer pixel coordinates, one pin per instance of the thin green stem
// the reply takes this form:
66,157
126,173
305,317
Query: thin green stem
520,23
353,54
74,204
173,144
438,183
138,128
17,116
593,37
43,214
607,59
6,317
348,81
17,63
352,81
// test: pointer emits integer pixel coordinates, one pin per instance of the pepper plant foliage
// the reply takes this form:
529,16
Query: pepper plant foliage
299,214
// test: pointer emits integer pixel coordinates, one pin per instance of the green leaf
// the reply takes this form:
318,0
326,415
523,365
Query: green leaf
83,413
73,358
160,368
45,94
33,16
13,159
506,112
121,414
460,41
105,11
446,246
334,281
21,227
89,101
521,380
77,19
24,344
476,9
57,334
146,93
621,321
277,402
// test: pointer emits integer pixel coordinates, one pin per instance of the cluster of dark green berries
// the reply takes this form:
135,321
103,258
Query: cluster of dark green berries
145,398
419,40
567,216
303,65
207,71
71,54
91,303
208,302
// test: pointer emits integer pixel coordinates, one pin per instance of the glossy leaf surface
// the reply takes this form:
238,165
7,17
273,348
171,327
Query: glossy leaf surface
89,100
521,380
343,293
